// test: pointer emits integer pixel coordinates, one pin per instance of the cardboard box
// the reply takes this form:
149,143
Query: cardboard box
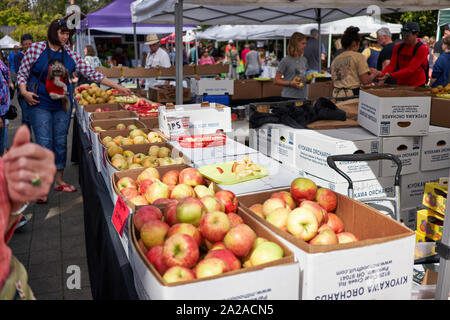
394,112
247,89
270,89
208,118
379,266
421,237
168,94
139,72
435,197
412,186
319,89
283,143
313,147
114,72
407,149
90,108
382,187
134,173
189,69
408,216
151,123
431,223
211,69
440,108
112,115
231,148
211,86
277,280
144,148
435,150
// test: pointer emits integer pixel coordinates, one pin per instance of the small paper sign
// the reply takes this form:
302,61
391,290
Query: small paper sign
178,126
120,215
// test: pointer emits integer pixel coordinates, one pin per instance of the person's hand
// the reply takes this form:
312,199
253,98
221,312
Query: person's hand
25,162
124,91
382,77
296,84
30,98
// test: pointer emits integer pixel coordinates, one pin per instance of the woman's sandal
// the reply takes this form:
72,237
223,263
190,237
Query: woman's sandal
65,188
42,200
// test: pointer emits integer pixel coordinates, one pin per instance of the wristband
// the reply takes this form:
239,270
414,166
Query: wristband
20,211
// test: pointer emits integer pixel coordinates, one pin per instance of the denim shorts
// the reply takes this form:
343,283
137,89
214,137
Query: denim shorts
50,130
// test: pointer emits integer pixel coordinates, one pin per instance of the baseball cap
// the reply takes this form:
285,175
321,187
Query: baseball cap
447,26
410,27
25,37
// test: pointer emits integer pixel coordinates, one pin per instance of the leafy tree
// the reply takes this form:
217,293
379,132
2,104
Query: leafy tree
39,32
427,20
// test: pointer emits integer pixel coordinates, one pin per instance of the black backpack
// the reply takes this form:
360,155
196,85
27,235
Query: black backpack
416,47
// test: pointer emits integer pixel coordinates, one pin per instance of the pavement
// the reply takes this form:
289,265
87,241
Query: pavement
51,246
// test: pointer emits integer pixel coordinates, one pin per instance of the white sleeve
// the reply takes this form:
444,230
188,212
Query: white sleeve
165,60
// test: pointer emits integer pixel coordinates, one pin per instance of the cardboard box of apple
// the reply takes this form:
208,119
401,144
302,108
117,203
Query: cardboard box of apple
144,108
144,156
91,94
193,239
306,212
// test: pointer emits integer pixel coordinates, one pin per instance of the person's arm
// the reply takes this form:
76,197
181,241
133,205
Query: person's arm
437,71
280,81
23,74
366,74
385,63
366,53
415,63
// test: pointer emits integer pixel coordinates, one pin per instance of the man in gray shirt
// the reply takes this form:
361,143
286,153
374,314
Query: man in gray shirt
311,52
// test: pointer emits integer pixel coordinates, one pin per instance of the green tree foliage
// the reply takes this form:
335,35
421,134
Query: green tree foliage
39,32
427,20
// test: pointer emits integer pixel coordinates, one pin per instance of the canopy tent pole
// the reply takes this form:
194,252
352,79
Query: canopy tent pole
135,45
179,51
284,43
319,22
329,48
89,35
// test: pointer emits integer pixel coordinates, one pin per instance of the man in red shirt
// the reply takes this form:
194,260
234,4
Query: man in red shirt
409,60
244,52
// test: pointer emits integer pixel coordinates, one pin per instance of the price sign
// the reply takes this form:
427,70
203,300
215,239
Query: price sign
178,126
120,215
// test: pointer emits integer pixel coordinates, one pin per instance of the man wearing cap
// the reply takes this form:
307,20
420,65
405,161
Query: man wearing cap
409,61
157,57
373,51
438,46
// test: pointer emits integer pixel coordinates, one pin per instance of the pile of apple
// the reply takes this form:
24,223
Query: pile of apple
92,94
144,108
306,212
135,136
157,157
198,237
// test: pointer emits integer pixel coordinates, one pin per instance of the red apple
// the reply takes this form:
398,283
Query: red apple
180,250
346,237
278,218
226,256
182,191
186,228
190,210
235,219
147,174
327,199
210,267
240,239
217,246
212,204
155,191
286,196
154,256
153,233
129,192
170,177
303,189
335,223
191,176
323,227
170,213
271,204
145,184
326,236
257,209
214,226
163,201
139,201
145,214
228,198
315,208
302,224
178,273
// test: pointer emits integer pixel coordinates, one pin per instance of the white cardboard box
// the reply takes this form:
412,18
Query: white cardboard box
212,86
435,151
276,281
379,266
408,151
313,148
202,120
394,112
231,148
284,143
412,186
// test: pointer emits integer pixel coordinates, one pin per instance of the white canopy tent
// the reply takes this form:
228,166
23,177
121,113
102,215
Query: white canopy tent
8,43
204,12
